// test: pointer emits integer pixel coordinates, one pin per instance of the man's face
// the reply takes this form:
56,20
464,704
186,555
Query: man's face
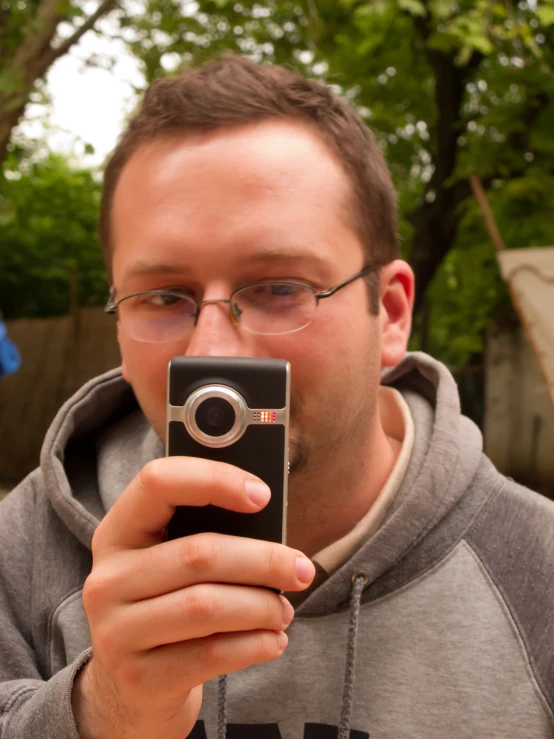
211,213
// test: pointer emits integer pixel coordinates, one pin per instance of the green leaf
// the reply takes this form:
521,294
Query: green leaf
413,7
546,15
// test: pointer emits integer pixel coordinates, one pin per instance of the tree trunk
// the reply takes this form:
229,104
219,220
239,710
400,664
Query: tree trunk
436,219
435,230
34,57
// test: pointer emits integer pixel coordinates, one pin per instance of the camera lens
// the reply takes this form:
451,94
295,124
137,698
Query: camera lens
215,416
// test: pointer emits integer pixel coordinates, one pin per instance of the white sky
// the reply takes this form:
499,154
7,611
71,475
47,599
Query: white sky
88,103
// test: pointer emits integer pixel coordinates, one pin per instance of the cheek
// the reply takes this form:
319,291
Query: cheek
145,367
326,356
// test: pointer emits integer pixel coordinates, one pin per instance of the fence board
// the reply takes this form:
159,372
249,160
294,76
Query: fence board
58,356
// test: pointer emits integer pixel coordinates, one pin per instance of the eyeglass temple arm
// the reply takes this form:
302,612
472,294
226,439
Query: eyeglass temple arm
110,306
333,290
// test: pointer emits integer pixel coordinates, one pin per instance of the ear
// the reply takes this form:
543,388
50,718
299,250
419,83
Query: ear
395,311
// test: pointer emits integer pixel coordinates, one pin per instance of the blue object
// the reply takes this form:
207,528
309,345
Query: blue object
10,361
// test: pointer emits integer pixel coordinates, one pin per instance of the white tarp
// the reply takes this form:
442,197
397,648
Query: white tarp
530,274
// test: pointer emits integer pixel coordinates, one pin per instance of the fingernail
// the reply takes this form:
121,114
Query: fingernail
282,641
305,570
258,492
288,612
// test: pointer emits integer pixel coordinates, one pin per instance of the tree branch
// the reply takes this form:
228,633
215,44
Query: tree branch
33,58
437,217
104,8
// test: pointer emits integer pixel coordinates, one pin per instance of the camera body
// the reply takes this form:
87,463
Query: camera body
234,410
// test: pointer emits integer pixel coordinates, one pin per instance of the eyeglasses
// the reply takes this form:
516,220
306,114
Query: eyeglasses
269,308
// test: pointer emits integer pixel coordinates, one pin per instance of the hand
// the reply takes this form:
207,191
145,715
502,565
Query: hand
166,616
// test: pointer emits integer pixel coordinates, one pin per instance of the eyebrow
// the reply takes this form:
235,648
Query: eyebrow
145,268
269,256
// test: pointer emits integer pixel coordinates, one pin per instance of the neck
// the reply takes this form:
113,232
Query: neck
314,519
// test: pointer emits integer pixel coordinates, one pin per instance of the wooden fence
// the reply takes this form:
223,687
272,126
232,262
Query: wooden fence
58,356
519,416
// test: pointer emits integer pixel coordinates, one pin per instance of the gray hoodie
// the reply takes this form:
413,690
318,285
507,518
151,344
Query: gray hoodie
449,633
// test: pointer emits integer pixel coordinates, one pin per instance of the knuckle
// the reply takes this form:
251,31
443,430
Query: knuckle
274,612
106,642
212,474
224,478
211,653
271,560
131,673
95,544
95,588
200,604
276,563
149,475
197,552
267,645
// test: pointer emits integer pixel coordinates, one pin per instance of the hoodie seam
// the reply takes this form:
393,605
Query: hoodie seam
17,697
419,578
342,605
453,545
433,520
53,612
81,395
485,508
56,447
435,515
33,568
517,629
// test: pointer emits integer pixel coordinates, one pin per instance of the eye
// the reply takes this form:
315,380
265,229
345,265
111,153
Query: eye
272,297
281,290
161,302
165,299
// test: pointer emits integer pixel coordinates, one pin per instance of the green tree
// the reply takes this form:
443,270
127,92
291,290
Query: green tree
33,34
48,215
450,87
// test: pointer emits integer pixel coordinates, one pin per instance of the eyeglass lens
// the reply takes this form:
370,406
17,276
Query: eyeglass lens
266,308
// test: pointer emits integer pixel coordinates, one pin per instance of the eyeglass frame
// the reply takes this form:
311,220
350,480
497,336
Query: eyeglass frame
111,306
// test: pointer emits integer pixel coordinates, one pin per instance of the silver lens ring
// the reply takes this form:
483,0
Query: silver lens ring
235,400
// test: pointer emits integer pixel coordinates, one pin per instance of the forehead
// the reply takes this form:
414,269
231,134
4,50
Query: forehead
263,185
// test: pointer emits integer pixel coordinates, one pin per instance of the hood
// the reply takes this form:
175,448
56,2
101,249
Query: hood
100,440
446,455
73,455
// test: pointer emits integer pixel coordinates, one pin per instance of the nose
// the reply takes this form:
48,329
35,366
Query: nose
216,334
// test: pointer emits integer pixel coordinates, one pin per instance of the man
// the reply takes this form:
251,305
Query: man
429,613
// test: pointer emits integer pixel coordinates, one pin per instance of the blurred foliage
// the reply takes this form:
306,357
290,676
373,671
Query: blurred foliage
467,294
33,34
399,62
48,215
451,88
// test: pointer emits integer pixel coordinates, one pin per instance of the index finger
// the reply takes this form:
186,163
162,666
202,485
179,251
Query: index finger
145,507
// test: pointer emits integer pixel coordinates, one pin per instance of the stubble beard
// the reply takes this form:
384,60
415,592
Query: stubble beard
317,463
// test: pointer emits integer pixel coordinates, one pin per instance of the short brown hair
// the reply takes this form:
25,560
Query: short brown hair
231,92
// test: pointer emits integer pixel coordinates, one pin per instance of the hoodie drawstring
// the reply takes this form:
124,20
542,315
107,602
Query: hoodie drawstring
222,707
358,583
